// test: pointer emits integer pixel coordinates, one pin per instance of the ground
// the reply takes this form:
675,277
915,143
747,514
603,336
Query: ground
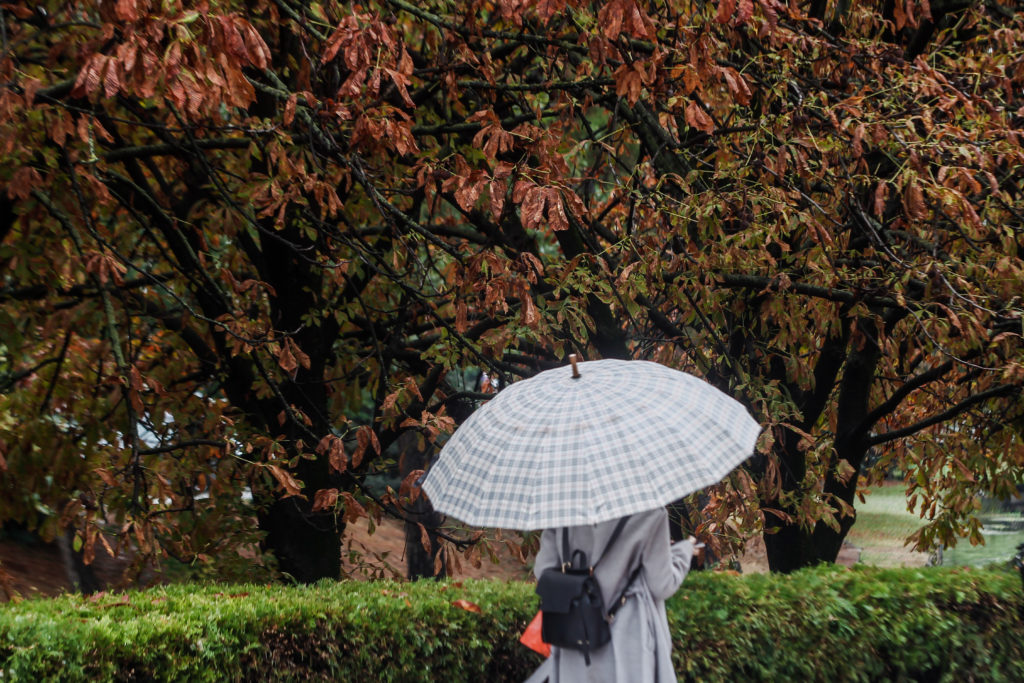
37,569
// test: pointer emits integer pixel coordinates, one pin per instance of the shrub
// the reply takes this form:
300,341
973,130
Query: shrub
821,624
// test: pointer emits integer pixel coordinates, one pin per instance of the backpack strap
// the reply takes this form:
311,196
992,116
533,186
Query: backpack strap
567,557
621,600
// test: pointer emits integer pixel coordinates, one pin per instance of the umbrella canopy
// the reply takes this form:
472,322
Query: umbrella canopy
553,450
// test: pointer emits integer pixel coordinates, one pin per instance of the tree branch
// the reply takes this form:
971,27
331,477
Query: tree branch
953,411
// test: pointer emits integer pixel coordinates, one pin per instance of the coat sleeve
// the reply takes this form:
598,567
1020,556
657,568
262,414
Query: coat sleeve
665,564
547,554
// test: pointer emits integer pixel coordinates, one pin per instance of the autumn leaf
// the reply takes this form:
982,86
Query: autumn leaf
289,110
409,487
913,201
89,549
549,8
496,193
334,447
286,480
286,359
697,118
87,82
424,538
299,354
22,182
878,204
610,18
856,143
106,476
461,317
628,83
532,207
530,317
557,218
469,190
737,85
726,9
365,438
324,499
746,11
353,510
467,605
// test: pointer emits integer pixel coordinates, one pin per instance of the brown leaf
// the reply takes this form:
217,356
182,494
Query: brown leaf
726,8
746,10
461,317
467,193
697,118
365,437
856,143
111,82
353,510
913,201
286,360
468,606
88,81
300,355
628,83
290,484
737,85
530,317
334,43
106,476
610,17
289,110
126,10
532,208
556,210
135,378
691,80
334,447
424,538
324,499
548,8
881,192
899,14
24,180
401,81
89,549
496,191
409,487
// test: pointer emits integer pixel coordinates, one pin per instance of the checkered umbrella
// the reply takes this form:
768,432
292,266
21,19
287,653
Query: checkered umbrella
554,450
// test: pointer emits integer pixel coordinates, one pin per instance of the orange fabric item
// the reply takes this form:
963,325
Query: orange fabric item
531,638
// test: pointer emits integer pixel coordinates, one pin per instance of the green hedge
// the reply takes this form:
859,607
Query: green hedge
826,624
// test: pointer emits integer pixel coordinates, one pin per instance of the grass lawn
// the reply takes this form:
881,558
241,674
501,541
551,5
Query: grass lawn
883,525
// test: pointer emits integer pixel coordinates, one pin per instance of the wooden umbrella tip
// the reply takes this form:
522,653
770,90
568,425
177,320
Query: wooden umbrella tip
575,370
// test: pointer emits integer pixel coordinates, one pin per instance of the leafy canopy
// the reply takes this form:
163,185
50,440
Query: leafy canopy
245,246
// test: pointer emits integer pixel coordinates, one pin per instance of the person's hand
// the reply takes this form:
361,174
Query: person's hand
698,549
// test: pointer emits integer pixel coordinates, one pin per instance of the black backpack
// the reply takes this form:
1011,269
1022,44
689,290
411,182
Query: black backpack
572,610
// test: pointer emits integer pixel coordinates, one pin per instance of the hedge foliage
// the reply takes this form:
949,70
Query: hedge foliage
825,624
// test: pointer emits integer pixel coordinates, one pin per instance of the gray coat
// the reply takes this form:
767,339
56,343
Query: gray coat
641,647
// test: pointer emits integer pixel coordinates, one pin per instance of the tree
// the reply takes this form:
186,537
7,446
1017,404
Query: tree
246,246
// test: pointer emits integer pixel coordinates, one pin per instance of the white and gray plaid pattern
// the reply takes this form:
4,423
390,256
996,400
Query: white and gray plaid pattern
625,437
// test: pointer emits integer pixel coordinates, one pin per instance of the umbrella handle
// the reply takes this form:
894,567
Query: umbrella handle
575,370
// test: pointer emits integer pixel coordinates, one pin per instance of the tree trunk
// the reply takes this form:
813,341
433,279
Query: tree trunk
419,560
790,546
307,545
80,575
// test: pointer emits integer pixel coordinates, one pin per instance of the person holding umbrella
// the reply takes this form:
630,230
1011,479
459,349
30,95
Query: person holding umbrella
598,453
640,571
